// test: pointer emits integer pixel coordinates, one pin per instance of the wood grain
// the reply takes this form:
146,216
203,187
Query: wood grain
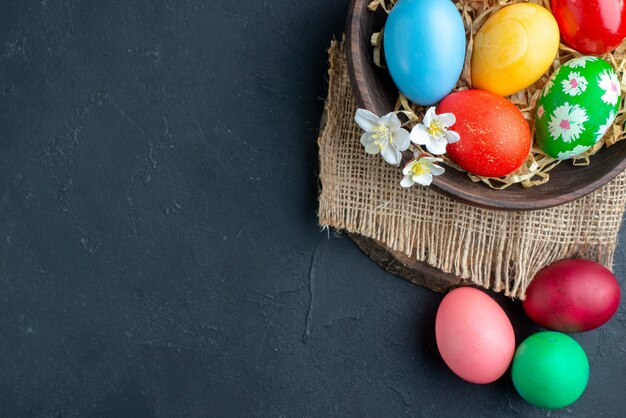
374,90
417,272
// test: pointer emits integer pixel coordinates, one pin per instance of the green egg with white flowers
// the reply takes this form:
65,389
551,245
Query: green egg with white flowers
577,106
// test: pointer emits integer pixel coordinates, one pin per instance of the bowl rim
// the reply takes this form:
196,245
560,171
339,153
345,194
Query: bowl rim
443,184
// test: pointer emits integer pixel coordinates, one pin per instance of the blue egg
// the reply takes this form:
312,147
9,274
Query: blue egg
424,43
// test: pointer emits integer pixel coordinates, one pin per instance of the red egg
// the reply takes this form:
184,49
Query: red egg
495,137
591,26
572,296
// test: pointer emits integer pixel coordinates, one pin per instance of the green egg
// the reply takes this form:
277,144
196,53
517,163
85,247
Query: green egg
576,107
550,370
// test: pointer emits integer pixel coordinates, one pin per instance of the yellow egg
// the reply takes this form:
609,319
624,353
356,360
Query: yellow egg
513,49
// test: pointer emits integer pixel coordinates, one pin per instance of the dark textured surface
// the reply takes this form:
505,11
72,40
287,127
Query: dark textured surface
159,253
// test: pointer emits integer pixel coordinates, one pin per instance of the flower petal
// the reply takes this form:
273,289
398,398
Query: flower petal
436,146
428,117
391,155
407,181
391,121
372,148
432,159
436,170
424,179
367,138
419,134
402,139
452,137
409,167
366,120
447,119
368,141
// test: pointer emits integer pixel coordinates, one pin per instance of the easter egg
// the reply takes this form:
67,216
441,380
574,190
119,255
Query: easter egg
495,137
577,106
591,27
514,48
572,296
474,335
550,370
424,44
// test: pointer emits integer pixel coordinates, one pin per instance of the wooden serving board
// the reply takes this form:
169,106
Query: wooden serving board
397,263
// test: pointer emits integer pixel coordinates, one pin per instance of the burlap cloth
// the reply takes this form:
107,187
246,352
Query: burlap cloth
497,250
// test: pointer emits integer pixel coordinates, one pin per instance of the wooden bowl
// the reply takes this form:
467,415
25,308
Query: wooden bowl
374,90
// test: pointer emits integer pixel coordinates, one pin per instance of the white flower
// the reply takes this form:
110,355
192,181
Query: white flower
421,171
541,111
609,82
567,122
579,149
580,62
383,135
575,84
604,128
548,86
434,133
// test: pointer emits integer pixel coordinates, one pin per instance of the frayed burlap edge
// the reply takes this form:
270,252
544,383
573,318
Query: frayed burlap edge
497,250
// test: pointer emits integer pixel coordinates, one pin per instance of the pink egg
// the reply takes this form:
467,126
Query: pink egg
474,335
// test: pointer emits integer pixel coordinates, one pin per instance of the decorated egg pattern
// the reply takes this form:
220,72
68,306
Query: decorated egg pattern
577,106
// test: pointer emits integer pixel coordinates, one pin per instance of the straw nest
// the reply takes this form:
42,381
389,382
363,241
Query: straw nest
535,170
